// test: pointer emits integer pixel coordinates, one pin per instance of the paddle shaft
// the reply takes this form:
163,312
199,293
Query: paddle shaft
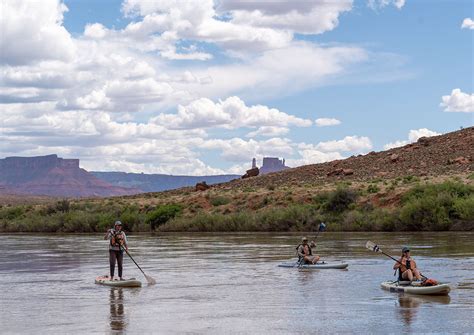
138,266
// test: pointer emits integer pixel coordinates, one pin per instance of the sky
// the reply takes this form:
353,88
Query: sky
201,87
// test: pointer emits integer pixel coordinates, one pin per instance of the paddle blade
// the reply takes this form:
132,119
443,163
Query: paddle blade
150,280
372,246
322,226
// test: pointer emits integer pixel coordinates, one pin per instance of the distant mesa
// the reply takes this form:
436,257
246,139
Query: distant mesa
58,177
53,176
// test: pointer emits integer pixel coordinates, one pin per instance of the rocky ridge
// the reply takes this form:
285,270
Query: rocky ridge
451,153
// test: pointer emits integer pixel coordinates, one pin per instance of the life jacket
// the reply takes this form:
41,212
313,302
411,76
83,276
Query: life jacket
117,238
309,249
408,264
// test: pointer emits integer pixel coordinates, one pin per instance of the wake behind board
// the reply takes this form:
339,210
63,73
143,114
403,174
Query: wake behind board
415,288
317,266
104,280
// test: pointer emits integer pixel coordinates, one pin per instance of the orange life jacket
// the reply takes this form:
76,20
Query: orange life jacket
407,264
117,239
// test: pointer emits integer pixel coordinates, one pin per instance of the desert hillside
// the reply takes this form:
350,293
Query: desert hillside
443,155
427,185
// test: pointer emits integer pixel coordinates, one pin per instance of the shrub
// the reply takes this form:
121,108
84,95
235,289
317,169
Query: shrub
410,179
162,214
63,206
454,189
11,213
132,218
372,188
219,201
464,208
424,214
320,199
340,200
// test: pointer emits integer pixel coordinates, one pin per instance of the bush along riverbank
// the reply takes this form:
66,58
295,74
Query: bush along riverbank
428,207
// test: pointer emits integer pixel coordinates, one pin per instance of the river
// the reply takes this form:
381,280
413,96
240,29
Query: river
230,283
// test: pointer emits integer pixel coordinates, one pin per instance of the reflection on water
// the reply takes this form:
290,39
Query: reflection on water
409,305
230,283
117,311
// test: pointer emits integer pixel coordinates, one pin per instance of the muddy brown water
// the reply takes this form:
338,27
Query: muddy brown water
230,283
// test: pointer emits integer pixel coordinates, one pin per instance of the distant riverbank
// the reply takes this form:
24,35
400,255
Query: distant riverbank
430,207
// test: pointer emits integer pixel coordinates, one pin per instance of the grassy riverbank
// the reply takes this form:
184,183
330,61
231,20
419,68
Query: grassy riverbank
399,205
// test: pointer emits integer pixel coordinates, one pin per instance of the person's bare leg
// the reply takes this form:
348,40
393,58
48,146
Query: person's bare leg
315,259
407,275
417,274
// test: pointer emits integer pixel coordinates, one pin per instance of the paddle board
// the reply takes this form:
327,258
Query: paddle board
131,282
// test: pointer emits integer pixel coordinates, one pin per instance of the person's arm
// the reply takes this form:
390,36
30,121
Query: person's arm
397,264
107,235
301,251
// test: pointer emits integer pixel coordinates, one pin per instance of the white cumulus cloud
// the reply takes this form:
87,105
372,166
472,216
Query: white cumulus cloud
230,113
458,101
300,16
269,131
413,136
378,4
326,122
348,143
467,23
32,31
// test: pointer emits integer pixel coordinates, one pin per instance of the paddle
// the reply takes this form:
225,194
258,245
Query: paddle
149,279
375,248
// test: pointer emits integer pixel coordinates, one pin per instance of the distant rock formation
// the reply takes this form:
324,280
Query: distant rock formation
272,164
53,176
202,186
253,172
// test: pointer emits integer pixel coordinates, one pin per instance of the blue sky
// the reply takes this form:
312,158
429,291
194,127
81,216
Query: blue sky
172,87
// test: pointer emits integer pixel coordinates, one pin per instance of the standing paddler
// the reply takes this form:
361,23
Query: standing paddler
118,242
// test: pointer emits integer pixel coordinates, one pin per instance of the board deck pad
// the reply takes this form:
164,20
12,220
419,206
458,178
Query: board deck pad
131,282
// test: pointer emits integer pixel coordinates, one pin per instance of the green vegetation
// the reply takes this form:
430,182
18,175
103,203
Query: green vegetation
162,214
219,201
423,207
373,188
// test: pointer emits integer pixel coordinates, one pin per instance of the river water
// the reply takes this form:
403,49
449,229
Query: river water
230,283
